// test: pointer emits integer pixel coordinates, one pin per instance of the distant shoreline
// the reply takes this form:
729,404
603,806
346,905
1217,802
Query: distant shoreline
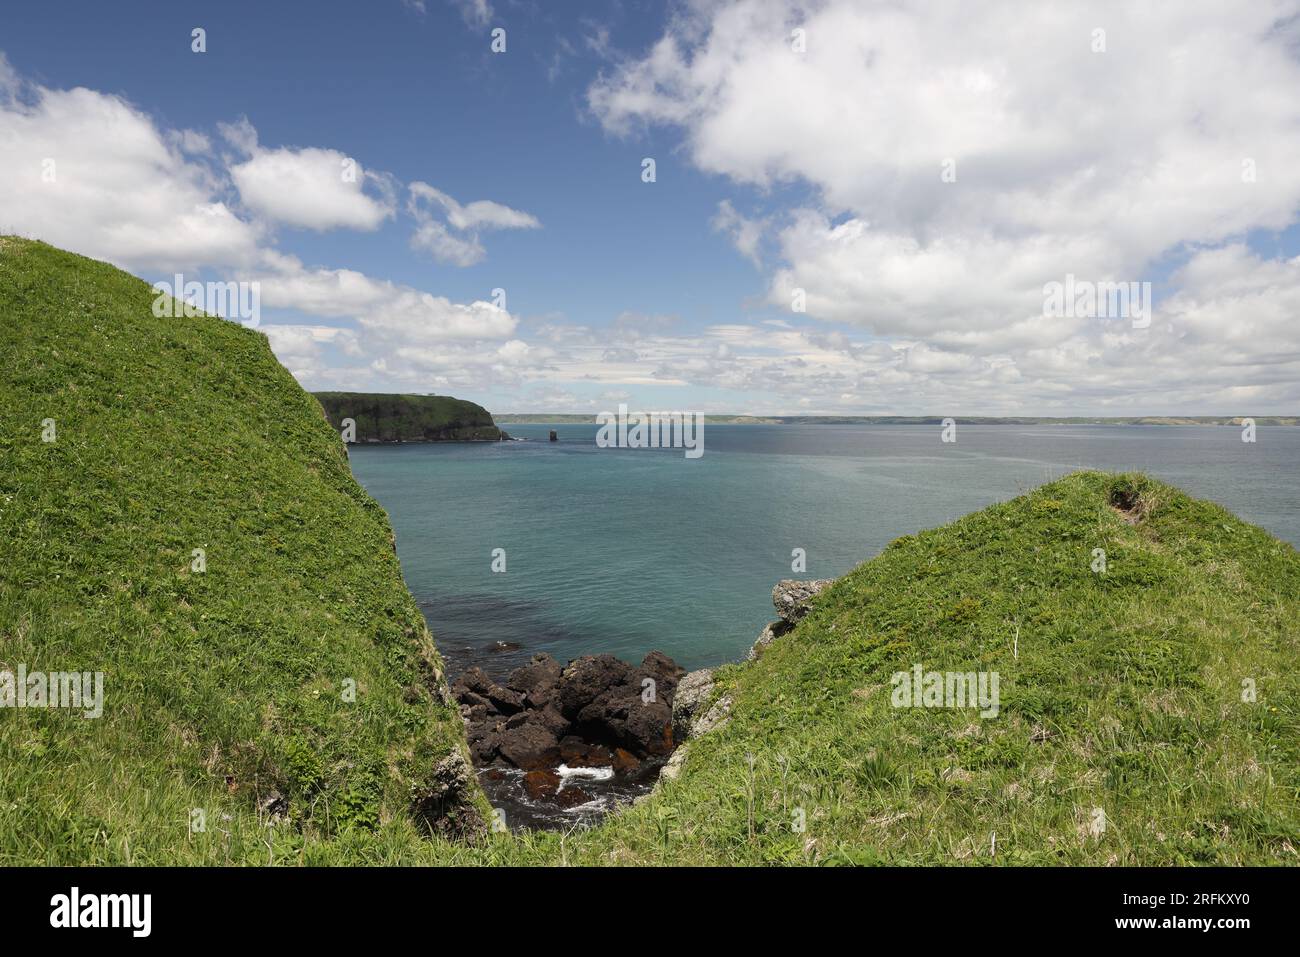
569,418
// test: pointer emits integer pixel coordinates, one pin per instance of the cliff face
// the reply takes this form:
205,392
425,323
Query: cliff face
381,417
177,516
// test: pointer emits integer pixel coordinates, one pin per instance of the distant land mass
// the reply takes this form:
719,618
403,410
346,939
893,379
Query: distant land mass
544,418
384,417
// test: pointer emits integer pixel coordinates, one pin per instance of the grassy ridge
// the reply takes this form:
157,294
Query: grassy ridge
382,417
1121,691
224,689
1121,701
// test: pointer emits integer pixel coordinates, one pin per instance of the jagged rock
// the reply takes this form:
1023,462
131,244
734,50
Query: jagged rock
476,682
472,699
578,753
596,712
586,679
549,718
691,693
484,739
665,672
531,745
673,766
790,597
536,680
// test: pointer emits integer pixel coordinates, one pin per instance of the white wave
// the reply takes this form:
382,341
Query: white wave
587,774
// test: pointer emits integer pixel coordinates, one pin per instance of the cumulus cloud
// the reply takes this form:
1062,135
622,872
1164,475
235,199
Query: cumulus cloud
313,188
89,171
955,172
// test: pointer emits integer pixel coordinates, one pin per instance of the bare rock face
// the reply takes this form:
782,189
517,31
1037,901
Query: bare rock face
771,631
791,597
529,745
692,691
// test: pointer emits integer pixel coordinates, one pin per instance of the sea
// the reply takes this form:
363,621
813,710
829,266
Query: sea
513,548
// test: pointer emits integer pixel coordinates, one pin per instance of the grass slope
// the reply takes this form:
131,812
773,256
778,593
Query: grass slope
225,687
381,417
1121,692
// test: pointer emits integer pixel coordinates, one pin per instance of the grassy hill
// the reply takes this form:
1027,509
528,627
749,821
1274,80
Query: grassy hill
225,690
1124,733
381,417
1120,691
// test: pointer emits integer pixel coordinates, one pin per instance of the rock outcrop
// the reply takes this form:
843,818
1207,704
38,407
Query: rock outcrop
598,711
791,598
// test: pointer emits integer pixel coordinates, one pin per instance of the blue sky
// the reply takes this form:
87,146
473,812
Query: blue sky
775,169
420,95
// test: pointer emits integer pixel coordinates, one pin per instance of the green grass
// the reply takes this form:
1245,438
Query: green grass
1120,691
382,417
221,687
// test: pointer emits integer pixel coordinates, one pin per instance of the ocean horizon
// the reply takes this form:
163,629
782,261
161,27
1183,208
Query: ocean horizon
624,551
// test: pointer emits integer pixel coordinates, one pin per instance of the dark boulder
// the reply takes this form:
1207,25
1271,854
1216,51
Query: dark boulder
483,740
475,687
622,717
577,752
664,671
586,679
530,746
536,680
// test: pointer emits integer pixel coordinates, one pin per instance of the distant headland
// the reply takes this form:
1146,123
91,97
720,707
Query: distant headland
381,417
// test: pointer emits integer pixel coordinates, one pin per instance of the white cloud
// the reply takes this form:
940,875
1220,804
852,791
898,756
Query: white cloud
745,234
1066,160
446,247
313,188
480,214
469,219
88,171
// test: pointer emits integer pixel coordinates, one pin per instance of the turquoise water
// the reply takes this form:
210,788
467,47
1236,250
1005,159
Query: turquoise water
625,551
